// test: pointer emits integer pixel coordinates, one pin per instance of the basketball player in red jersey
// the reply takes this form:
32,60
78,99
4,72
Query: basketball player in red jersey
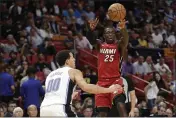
109,58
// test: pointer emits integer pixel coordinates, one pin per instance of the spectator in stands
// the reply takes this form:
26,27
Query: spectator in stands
6,84
159,81
132,20
7,27
164,43
1,111
133,42
172,86
53,25
139,68
80,14
11,106
154,111
31,90
151,92
45,24
169,15
127,67
54,9
162,104
4,106
150,42
169,112
162,68
87,102
82,42
32,111
35,37
24,79
143,110
11,46
38,11
18,112
142,41
13,56
47,47
21,69
77,108
157,38
16,11
72,25
148,16
149,65
136,112
161,112
88,111
69,41
27,49
89,13
41,64
171,39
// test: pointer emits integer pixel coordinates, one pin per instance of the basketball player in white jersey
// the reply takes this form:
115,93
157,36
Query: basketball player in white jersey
60,85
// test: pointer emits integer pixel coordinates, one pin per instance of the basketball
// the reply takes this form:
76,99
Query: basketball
116,12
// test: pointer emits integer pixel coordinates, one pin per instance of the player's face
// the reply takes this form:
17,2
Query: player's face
71,61
109,35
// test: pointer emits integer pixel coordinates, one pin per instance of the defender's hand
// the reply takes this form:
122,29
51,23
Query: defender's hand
116,89
93,23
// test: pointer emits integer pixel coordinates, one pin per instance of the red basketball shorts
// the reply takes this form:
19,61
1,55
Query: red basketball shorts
105,99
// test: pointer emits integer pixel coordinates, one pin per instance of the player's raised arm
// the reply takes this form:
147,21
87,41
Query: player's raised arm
92,25
91,88
125,37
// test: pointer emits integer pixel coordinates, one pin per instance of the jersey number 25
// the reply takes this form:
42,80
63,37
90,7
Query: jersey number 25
109,58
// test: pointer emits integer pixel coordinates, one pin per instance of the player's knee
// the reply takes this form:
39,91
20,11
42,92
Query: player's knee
102,114
102,111
119,98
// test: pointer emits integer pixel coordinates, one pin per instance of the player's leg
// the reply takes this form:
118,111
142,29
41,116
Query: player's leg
46,111
103,104
102,111
119,102
57,110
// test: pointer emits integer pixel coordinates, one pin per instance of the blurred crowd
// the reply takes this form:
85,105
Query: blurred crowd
28,28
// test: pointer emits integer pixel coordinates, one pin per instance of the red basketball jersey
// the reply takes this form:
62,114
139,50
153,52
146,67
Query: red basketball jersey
108,61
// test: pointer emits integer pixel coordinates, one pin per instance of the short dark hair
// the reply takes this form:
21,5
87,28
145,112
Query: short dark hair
31,71
3,104
11,102
110,27
62,56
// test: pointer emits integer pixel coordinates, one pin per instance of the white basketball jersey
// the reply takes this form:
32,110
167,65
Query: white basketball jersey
59,87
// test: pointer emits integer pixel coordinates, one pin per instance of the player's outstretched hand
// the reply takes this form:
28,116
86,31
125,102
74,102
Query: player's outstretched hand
93,23
121,24
116,88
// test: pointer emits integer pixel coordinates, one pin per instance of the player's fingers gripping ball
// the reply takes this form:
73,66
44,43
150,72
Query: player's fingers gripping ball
116,12
122,24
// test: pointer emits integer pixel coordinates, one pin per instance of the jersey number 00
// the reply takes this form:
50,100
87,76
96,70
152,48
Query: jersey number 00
53,85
